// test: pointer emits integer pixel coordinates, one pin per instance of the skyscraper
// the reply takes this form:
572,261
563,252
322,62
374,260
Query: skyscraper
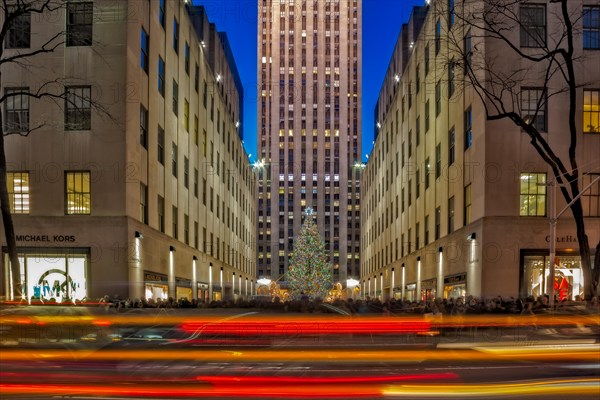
309,108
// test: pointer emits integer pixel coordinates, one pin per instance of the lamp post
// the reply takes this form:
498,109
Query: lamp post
554,216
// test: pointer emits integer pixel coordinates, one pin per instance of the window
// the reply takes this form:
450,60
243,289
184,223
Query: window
19,32
591,111
143,203
186,229
204,191
77,193
176,36
451,215
591,27
175,228
451,146
417,80
144,51
533,25
468,128
438,218
161,145
161,76
426,231
18,192
196,78
186,55
438,36
438,160
450,13
204,94
450,80
196,182
427,172
79,23
143,126
175,98
438,98
78,110
426,59
186,172
533,195
196,233
533,107
590,199
174,160
467,51
427,116
161,214
196,129
162,13
204,146
186,115
467,211
16,110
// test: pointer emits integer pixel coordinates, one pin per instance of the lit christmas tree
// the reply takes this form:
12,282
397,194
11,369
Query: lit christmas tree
310,272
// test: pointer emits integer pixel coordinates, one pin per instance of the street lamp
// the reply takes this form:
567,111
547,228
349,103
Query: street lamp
554,216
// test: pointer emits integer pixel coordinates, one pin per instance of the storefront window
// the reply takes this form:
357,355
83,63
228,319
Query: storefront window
568,276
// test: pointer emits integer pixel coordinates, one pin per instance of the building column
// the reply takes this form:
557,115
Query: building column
194,278
440,275
418,289
172,290
392,285
136,273
474,268
403,281
210,282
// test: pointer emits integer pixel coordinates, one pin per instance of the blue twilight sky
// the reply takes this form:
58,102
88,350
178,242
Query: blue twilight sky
382,20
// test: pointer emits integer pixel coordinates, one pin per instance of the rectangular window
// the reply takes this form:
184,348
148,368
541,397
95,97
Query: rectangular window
450,80
196,182
196,78
186,55
417,80
176,36
591,111
533,107
77,193
450,13
426,59
427,116
145,50
204,144
451,215
143,126
533,25
161,214
80,17
186,115
533,195
196,128
438,219
438,98
162,13
143,203
186,229
467,51
468,128
161,76
175,98
590,199
591,27
78,109
19,33
196,233
427,172
426,231
161,145
175,227
438,160
438,36
174,160
186,172
204,191
204,94
417,236
467,210
451,146
18,192
204,241
16,110
418,184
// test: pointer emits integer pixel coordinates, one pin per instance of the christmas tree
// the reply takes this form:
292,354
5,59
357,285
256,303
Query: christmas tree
310,272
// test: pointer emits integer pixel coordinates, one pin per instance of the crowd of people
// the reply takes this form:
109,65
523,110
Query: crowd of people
437,306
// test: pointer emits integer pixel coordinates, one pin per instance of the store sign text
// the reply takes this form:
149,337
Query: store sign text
563,239
46,238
